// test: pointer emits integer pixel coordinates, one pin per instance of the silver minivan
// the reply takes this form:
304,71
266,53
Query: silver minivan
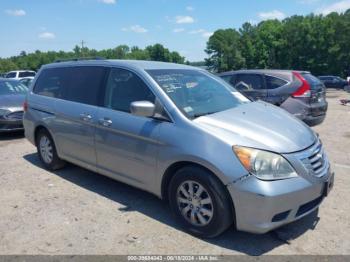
182,134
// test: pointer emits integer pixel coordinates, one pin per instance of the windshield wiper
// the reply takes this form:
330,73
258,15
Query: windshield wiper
204,114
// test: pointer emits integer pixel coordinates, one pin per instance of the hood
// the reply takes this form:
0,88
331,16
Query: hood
11,101
259,125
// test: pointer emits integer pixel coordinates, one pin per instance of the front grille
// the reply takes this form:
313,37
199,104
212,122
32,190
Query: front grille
317,162
15,115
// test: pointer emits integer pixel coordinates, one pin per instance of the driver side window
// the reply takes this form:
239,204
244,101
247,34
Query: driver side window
124,87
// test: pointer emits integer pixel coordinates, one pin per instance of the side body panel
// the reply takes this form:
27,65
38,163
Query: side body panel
127,147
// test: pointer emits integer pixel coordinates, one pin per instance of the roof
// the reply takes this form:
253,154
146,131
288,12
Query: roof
20,71
328,76
136,64
263,71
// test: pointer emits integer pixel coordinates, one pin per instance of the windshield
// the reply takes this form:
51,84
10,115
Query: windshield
12,88
197,93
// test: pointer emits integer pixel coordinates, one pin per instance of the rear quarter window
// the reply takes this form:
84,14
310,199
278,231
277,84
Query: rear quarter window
52,82
274,82
80,84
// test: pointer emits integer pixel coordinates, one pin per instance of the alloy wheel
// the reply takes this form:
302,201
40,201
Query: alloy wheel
195,203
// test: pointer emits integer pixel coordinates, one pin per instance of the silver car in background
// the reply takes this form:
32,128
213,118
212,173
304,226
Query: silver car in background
12,95
182,134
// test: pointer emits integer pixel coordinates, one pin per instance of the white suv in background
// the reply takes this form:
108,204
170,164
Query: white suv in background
19,74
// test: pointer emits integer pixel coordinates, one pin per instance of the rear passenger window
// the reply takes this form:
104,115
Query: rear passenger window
227,78
273,82
85,84
246,82
26,74
123,88
77,84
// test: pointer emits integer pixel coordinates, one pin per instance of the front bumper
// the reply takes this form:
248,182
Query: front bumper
259,209
10,126
261,206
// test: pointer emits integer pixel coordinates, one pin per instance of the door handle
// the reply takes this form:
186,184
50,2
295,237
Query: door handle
85,117
106,122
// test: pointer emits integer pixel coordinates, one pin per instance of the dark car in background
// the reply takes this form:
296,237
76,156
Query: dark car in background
334,82
12,96
298,92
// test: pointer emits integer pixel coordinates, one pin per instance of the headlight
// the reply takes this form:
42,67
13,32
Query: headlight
264,165
3,112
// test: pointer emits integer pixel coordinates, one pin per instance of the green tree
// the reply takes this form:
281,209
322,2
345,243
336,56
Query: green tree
316,43
224,51
35,60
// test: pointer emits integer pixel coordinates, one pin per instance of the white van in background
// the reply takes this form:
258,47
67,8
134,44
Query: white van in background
19,74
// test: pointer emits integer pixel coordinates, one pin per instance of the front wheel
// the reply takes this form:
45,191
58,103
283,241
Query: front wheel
200,202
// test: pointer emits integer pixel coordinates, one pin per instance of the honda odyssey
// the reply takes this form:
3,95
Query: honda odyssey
182,134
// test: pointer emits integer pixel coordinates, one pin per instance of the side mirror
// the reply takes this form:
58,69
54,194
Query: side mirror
142,108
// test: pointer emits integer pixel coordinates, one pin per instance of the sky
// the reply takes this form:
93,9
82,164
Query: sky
180,25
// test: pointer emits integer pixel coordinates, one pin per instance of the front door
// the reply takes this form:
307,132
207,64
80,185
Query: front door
126,145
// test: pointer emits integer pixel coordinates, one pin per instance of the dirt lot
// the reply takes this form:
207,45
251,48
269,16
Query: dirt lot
75,211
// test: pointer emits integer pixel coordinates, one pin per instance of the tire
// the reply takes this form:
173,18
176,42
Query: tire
47,151
194,212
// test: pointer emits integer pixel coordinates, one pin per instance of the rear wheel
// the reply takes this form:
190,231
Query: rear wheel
47,151
200,202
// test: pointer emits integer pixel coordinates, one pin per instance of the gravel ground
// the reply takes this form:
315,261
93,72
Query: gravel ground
74,211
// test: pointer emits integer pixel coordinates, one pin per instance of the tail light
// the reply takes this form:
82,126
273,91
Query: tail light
25,106
305,89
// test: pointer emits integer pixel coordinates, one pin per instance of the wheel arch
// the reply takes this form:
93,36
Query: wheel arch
40,127
173,168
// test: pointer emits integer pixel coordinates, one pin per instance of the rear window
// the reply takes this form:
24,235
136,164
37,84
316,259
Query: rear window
77,84
26,74
10,87
11,75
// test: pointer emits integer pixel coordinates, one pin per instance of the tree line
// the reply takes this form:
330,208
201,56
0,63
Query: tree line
317,43
35,60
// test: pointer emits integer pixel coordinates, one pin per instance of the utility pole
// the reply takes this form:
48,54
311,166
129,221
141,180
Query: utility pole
82,47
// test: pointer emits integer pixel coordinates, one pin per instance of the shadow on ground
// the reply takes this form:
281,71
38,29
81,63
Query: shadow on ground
137,200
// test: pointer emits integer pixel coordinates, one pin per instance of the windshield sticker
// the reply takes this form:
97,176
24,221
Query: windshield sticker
191,84
188,109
